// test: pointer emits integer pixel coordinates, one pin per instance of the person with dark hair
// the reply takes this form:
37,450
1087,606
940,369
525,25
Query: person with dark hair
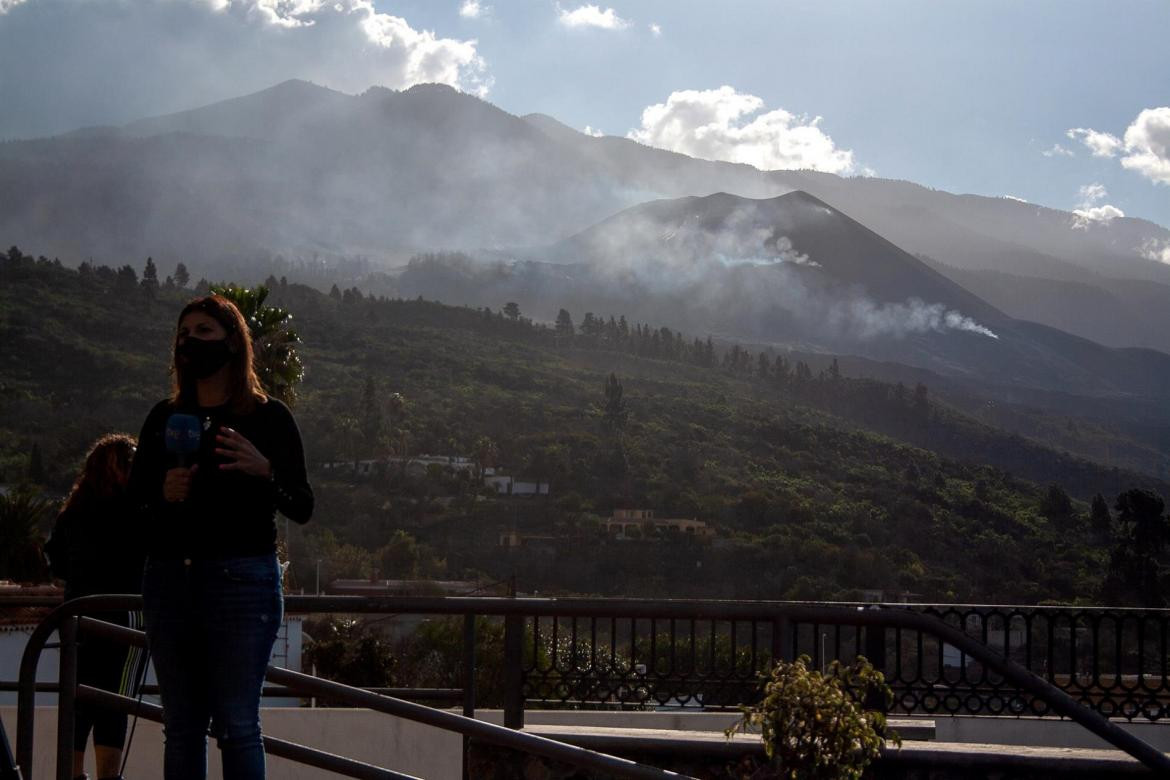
212,584
96,547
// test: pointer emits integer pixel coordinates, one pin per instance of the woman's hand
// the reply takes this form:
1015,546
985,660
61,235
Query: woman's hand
177,484
242,453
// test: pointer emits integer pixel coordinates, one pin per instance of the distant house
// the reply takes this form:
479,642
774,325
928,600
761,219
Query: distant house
642,524
388,587
509,486
361,468
879,596
416,465
514,539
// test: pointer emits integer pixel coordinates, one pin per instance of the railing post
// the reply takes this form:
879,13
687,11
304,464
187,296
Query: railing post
468,679
875,653
514,671
66,697
875,647
781,639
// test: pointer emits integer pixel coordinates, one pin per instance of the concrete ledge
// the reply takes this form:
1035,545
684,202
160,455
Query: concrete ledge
633,742
709,751
1012,761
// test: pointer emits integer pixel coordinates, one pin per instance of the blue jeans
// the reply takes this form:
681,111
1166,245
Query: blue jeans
211,625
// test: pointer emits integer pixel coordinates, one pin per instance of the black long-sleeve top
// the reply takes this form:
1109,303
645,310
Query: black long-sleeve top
227,514
97,547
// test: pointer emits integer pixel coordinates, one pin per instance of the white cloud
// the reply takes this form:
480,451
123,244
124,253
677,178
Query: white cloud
115,62
472,9
8,5
592,16
1082,218
591,131
1091,193
1145,148
1058,151
1100,144
1147,145
655,30
718,124
1158,251
1089,213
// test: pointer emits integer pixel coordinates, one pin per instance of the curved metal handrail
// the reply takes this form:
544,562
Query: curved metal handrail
468,727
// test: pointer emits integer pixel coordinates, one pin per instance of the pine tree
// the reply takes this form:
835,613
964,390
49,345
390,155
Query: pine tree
150,277
564,326
1137,567
126,279
182,277
614,413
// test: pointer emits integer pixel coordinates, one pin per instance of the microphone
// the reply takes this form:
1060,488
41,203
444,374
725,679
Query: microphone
183,435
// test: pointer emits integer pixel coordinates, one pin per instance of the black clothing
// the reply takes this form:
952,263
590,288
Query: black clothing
112,666
97,547
227,514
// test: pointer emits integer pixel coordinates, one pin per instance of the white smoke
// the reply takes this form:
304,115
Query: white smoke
739,265
866,319
736,243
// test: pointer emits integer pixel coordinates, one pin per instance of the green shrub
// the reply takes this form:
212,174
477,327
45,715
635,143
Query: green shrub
815,726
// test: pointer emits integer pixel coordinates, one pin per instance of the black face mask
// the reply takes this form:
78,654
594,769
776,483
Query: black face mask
202,357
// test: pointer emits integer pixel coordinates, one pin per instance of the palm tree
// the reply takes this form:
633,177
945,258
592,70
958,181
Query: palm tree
21,514
274,341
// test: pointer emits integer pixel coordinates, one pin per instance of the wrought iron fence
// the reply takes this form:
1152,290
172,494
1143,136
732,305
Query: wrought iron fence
1114,661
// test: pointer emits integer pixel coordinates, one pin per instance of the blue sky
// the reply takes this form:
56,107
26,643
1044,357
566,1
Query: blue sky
961,96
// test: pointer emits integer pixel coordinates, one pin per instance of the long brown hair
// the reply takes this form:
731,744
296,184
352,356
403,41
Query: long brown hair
244,388
106,471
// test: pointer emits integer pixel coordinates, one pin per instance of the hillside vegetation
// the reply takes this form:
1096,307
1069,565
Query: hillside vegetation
808,501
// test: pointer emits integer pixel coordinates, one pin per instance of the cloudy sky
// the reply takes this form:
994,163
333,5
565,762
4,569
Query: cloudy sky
1060,102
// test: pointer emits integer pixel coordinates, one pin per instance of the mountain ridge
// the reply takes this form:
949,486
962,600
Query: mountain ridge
306,172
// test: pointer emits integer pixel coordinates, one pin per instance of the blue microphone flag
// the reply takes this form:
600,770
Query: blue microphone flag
183,434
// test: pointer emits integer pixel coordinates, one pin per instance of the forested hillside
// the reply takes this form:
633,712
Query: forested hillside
818,484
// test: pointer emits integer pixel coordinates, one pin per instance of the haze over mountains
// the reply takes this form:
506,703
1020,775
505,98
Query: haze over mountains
886,269
301,170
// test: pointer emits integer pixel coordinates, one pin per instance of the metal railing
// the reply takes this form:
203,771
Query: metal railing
641,654
1114,661
69,622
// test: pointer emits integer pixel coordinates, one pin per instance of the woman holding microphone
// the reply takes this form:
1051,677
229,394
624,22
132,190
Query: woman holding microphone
215,462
